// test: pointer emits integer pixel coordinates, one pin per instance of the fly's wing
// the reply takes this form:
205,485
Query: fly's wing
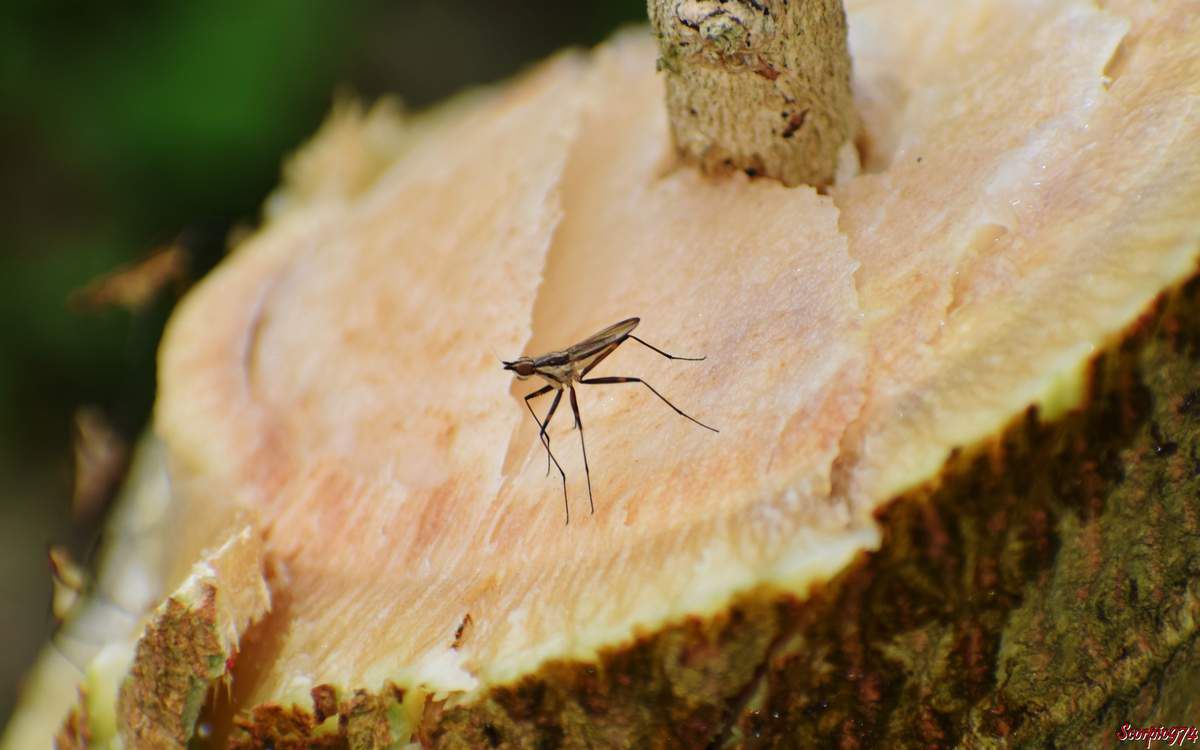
593,344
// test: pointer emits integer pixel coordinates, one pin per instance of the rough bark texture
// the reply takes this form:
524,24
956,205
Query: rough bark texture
181,655
1043,592
761,86
191,645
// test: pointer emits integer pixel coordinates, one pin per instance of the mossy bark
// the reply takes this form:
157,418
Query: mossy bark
1044,591
181,655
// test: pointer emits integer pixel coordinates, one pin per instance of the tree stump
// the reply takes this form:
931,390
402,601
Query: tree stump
952,502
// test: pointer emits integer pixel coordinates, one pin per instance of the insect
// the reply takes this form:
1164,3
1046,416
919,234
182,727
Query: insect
562,369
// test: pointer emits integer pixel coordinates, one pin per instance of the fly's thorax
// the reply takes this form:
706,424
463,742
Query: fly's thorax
557,375
556,368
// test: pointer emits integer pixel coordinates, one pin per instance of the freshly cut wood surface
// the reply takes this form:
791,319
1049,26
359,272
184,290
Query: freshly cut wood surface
1039,194
397,470
339,374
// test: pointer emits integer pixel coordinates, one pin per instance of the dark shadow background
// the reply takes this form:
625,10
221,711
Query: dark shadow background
123,124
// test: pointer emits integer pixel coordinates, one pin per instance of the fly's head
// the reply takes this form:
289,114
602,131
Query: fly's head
522,367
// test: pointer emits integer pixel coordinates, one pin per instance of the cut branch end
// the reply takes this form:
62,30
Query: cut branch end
761,86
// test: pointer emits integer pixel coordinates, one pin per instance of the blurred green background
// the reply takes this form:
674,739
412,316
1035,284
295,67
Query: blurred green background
124,125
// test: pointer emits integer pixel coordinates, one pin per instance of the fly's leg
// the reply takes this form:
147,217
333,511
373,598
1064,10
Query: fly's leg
549,414
668,356
582,445
680,412
545,436
542,434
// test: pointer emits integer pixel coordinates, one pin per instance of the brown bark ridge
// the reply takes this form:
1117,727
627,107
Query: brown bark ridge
186,650
761,86
191,643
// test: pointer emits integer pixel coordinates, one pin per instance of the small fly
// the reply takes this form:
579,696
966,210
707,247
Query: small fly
562,369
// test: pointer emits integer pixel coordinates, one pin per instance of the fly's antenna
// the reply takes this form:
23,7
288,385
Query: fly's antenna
499,359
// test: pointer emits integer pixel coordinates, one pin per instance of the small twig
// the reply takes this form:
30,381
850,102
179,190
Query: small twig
761,86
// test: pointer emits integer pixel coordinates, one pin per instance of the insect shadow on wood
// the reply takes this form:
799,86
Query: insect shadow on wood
563,369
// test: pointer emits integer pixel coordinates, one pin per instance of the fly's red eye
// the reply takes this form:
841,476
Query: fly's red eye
525,368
